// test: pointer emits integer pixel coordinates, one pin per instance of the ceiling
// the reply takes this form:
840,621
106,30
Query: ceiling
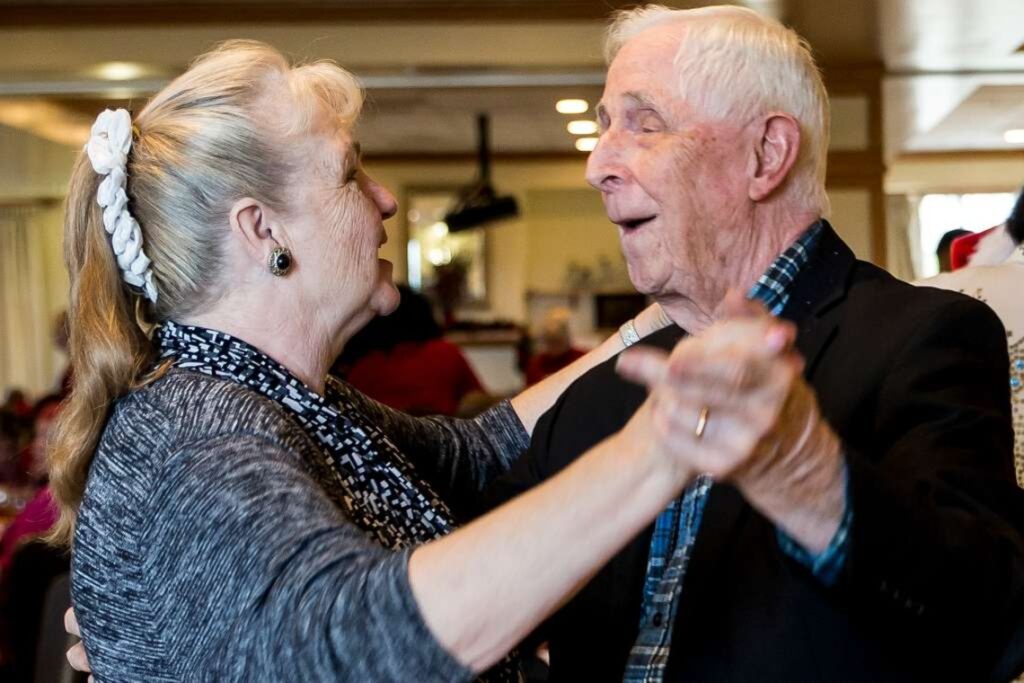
954,68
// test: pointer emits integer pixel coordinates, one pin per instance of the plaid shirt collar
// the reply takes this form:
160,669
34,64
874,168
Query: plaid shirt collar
773,288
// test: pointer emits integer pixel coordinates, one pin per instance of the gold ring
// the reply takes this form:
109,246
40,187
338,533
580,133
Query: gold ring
702,422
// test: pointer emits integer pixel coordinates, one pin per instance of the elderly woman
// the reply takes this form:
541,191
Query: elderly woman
234,514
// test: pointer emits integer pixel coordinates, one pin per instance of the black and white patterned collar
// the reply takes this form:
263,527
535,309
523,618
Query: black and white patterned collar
369,478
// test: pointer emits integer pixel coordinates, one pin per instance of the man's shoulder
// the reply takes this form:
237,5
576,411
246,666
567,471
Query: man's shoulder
876,295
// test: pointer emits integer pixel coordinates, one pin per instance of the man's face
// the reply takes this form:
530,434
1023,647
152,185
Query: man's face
673,181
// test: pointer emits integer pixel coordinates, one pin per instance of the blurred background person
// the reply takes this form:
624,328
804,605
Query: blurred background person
17,404
1000,286
555,349
12,434
39,513
28,566
404,361
942,251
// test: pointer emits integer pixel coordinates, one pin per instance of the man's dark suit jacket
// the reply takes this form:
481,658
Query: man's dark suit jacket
914,381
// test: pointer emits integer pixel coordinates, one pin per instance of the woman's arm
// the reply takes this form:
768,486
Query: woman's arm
534,401
253,573
459,457
488,585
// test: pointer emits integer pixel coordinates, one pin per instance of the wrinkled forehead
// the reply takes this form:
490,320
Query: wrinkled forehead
334,152
643,71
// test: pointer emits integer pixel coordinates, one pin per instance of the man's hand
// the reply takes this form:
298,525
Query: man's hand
733,403
713,398
76,655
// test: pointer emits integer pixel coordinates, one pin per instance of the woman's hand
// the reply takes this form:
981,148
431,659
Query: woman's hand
76,655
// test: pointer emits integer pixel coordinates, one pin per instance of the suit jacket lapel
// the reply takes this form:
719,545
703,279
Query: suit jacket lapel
818,288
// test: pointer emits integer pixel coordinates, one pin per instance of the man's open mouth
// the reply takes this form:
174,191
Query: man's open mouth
634,223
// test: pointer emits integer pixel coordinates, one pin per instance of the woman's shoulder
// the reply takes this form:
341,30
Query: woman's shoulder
189,406
181,434
184,411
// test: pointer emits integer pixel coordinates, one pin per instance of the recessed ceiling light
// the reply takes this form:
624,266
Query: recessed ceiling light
120,71
1014,136
571,106
586,144
582,127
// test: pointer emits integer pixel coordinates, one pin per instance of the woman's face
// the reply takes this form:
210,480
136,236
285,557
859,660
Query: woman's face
336,229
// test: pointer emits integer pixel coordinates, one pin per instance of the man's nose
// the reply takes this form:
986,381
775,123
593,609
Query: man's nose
604,165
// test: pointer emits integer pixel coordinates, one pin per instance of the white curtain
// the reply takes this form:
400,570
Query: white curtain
28,359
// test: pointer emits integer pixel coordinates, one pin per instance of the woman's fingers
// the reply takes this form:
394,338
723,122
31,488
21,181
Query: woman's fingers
755,338
71,622
736,305
76,655
77,658
643,365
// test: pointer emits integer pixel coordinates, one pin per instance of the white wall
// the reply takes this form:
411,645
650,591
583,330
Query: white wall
33,173
32,168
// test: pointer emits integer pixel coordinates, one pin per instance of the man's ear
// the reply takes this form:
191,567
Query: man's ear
775,153
252,226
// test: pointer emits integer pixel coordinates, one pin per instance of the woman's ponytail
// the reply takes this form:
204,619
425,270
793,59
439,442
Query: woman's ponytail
108,348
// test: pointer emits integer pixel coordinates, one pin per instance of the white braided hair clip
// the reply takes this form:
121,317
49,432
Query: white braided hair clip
108,148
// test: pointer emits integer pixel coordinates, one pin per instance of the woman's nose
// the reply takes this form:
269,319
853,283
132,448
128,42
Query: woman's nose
385,201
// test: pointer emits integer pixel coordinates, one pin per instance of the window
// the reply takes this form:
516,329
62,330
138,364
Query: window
939,213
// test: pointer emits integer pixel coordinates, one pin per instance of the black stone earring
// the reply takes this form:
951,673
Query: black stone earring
280,261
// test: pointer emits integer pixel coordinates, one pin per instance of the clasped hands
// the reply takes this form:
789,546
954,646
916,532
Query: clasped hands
732,403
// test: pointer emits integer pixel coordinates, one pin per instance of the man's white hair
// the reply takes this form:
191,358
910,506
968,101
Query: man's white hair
735,64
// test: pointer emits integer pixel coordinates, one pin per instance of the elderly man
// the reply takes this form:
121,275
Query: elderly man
870,540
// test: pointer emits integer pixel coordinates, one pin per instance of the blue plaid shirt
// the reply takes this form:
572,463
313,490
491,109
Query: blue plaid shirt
675,530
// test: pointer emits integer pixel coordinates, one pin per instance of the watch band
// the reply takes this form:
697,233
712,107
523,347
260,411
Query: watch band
628,333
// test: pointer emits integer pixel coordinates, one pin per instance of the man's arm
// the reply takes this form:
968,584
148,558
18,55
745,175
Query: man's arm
933,535
936,534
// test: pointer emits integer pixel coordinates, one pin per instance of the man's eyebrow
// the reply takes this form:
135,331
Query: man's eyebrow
641,99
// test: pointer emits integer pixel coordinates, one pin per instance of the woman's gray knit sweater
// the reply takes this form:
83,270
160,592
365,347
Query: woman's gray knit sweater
206,549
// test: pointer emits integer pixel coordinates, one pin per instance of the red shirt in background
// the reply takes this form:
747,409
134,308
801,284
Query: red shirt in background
420,378
38,516
543,364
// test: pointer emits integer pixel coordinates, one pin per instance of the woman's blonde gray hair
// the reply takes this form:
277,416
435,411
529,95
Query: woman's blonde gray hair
734,64
225,129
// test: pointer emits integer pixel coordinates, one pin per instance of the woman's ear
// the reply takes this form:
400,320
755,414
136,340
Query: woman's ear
776,151
252,225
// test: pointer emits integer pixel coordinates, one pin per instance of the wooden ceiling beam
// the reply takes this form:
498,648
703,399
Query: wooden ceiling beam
24,14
